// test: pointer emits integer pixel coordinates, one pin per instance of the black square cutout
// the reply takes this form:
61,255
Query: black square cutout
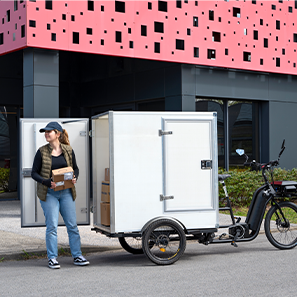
118,36
120,6
162,6
179,44
90,5
75,37
157,48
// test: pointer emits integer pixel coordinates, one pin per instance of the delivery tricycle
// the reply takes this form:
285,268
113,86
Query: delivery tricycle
164,187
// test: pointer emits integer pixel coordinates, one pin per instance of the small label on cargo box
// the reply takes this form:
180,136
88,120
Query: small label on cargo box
68,176
58,184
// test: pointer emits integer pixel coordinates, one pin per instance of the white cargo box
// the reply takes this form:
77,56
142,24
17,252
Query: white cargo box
162,164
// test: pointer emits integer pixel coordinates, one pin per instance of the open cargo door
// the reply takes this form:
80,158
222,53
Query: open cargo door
30,141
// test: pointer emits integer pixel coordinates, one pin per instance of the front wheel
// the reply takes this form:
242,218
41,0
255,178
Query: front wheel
131,244
164,242
281,230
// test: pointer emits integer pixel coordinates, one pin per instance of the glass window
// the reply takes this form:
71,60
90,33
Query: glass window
217,106
4,137
243,130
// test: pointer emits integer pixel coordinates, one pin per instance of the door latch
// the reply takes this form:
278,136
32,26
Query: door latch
26,172
162,132
206,164
162,197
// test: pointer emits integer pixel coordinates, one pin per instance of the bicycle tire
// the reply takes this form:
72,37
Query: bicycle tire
164,242
132,245
282,233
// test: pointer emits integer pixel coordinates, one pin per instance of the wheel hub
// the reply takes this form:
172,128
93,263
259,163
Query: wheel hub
162,241
283,226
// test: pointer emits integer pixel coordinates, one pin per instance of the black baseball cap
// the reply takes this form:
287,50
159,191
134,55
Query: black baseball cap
52,126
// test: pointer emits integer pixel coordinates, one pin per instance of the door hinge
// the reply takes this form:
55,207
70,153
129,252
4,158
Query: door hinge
83,210
26,172
162,197
91,133
162,132
83,133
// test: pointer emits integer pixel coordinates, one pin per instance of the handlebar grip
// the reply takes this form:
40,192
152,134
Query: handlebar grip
275,163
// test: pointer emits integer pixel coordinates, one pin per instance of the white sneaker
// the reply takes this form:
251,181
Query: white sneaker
81,261
53,263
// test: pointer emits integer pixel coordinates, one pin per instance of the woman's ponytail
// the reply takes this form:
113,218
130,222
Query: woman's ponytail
64,138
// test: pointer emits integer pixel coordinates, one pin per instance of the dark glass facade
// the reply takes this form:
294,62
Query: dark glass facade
238,127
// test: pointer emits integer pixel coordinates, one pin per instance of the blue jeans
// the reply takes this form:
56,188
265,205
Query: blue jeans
60,201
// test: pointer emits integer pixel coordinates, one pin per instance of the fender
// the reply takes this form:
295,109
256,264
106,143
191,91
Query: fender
163,217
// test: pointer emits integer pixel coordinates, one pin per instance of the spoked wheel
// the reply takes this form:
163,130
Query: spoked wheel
164,242
132,245
282,231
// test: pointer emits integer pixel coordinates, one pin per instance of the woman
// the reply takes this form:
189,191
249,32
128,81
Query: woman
54,155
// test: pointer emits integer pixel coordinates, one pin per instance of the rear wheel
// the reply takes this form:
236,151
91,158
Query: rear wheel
280,230
132,245
164,242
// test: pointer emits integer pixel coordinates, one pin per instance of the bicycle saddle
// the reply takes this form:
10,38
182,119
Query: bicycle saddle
223,176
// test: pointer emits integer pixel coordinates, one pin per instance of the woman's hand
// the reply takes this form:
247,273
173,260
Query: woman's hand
53,185
74,180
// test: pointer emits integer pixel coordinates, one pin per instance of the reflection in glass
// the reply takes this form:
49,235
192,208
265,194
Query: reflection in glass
4,136
242,130
217,106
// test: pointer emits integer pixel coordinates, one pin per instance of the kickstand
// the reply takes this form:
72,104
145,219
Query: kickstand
234,244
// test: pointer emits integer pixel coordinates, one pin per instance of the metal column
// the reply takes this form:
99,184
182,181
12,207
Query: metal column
41,83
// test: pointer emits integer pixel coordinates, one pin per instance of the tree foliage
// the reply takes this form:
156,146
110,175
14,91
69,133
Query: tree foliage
4,178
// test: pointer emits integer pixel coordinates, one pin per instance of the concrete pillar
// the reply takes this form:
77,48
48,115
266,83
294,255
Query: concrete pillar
40,83
180,84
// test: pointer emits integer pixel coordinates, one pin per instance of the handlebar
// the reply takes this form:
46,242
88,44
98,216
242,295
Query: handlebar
262,166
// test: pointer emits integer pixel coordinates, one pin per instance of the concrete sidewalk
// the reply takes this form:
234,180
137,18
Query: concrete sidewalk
17,242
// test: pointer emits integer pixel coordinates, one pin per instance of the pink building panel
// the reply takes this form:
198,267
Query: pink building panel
251,35
12,26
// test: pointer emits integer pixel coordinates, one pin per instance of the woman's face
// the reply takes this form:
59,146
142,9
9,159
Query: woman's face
51,135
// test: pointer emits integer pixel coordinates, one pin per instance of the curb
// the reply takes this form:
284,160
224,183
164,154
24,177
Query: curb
27,255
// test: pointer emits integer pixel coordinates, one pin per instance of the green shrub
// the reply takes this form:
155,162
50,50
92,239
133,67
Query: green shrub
4,177
242,184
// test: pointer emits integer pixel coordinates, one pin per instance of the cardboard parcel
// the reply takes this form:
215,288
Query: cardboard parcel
63,178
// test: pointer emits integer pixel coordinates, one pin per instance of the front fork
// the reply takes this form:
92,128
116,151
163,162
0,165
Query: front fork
280,215
270,192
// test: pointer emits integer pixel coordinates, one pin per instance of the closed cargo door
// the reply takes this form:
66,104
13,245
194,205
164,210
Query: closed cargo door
30,141
189,154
